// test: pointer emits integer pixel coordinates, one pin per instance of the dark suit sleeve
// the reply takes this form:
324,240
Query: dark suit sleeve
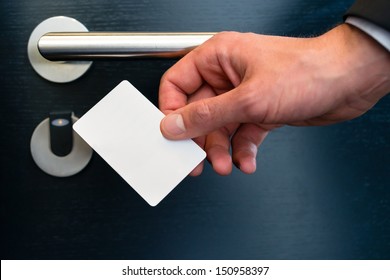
375,11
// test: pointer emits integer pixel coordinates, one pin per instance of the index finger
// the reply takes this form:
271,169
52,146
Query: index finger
181,79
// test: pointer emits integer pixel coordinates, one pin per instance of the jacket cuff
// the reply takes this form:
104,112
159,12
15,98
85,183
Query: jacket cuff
381,35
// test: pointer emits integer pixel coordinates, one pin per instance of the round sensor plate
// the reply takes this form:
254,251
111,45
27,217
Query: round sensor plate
59,71
68,165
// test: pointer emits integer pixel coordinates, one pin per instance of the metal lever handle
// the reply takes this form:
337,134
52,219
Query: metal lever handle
63,46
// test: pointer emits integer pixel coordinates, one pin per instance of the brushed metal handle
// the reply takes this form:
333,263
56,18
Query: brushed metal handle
61,49
64,46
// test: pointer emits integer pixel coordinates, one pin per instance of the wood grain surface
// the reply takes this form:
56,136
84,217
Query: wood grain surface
319,193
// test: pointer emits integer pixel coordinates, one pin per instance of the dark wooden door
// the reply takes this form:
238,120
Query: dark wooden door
319,193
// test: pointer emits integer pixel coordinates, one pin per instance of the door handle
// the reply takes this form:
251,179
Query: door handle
61,49
64,46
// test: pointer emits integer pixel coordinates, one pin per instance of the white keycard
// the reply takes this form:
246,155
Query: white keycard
124,129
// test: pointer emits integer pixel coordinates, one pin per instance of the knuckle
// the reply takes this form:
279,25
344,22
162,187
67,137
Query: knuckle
252,102
226,38
202,112
165,78
226,34
168,75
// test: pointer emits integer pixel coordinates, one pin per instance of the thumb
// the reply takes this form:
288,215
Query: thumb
203,116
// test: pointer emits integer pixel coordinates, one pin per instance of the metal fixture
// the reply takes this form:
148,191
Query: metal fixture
57,149
60,49
99,45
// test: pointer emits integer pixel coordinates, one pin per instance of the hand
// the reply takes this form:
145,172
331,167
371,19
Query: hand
232,90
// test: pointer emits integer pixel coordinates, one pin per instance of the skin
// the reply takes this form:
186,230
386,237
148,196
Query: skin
228,93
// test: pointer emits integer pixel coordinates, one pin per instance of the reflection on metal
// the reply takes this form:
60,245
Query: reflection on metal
60,49
60,122
59,72
98,45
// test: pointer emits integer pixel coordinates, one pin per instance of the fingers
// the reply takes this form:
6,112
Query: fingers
203,95
197,170
218,149
245,144
205,116
218,153
179,81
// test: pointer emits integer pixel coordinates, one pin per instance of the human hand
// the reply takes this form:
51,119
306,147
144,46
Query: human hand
232,90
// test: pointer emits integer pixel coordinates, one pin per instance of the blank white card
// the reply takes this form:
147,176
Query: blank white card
124,129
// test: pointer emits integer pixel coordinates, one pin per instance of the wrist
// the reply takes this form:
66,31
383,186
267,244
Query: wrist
363,64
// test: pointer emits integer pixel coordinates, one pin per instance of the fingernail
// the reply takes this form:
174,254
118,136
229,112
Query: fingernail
174,124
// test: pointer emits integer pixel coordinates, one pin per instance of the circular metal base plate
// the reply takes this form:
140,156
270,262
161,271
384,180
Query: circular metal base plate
65,166
58,72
